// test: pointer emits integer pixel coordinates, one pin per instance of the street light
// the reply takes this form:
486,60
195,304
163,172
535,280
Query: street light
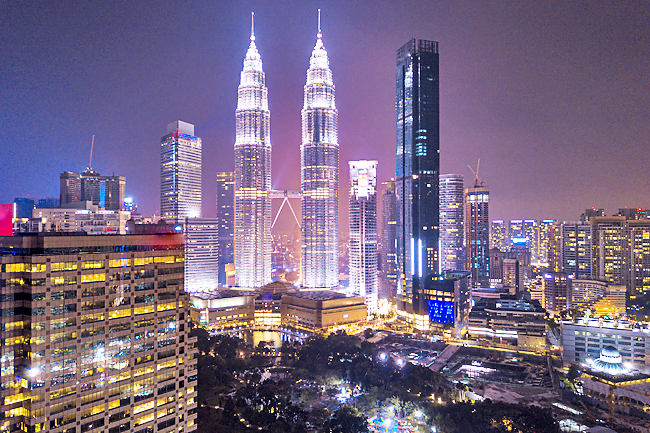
383,356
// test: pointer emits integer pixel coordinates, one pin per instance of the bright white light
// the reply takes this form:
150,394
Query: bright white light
418,413
383,356
400,362
33,372
388,423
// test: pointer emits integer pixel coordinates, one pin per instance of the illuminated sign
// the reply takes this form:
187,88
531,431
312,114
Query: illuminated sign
441,312
519,241
204,317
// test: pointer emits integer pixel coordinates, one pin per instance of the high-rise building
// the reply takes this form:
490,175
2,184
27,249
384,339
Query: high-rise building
201,254
452,217
49,202
180,173
319,174
23,207
417,170
107,192
515,231
633,213
557,292
363,231
389,240
253,242
609,244
531,233
477,233
589,213
549,244
639,247
98,339
576,251
226,221
499,237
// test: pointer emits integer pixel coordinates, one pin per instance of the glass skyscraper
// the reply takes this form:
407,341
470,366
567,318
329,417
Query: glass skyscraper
252,175
452,228
180,173
389,240
418,168
319,175
363,231
226,221
477,233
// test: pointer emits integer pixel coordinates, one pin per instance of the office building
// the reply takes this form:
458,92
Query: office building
557,292
639,255
610,246
49,202
226,221
75,217
107,192
363,231
477,233
496,263
576,251
452,217
319,174
252,175
531,233
499,237
23,207
180,173
201,254
389,240
509,320
549,244
633,213
97,339
417,172
589,213
513,275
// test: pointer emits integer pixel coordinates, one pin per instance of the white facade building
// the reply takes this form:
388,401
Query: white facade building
252,175
201,254
319,176
452,227
363,231
90,220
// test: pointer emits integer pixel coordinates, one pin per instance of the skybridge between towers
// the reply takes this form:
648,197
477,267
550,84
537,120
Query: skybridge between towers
285,196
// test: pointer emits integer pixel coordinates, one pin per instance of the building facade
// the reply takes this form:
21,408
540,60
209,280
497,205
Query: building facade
452,227
557,291
319,175
180,173
499,235
201,254
549,244
477,233
417,171
107,192
363,231
95,335
389,240
576,251
226,221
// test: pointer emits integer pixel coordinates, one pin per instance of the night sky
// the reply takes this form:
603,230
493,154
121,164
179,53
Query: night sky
553,97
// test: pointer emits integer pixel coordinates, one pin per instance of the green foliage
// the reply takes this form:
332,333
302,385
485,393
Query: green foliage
346,420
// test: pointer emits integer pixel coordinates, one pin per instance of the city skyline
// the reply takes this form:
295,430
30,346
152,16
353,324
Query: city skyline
78,92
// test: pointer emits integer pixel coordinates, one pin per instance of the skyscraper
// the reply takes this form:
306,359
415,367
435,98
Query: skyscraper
104,191
477,232
226,221
319,174
252,175
389,240
549,243
576,251
417,169
180,173
363,231
452,228
201,254
499,235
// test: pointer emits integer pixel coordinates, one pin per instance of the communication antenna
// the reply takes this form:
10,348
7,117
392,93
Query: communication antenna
252,26
319,21
90,161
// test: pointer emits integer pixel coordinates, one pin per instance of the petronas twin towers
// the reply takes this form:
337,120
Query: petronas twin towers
319,160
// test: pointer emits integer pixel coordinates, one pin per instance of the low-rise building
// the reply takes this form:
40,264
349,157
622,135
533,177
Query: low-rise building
510,321
77,217
322,309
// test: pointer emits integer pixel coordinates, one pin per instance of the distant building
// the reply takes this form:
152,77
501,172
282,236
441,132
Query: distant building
23,207
180,173
389,240
49,202
549,244
363,231
226,221
557,292
107,348
477,233
497,257
509,320
499,237
83,217
452,227
107,192
633,213
513,275
589,213
576,251
201,254
531,233
322,310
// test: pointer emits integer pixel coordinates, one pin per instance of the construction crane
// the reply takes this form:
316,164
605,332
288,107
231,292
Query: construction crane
90,161
476,178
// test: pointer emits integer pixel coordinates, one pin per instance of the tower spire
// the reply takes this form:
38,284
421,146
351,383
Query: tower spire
319,32
252,26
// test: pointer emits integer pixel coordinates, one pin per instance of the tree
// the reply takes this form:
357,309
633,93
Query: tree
346,420
203,343
368,333
573,373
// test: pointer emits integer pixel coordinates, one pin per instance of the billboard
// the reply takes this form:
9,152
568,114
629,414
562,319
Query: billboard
441,312
6,215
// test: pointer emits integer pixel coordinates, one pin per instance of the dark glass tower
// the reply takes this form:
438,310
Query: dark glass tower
417,172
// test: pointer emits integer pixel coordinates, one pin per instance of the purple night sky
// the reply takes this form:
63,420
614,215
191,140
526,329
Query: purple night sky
551,96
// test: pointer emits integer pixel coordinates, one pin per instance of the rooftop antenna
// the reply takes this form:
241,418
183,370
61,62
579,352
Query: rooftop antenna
319,33
90,161
252,26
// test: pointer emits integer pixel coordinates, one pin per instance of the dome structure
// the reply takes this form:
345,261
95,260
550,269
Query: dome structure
610,362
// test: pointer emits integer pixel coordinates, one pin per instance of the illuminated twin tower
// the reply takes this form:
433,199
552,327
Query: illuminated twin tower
319,160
